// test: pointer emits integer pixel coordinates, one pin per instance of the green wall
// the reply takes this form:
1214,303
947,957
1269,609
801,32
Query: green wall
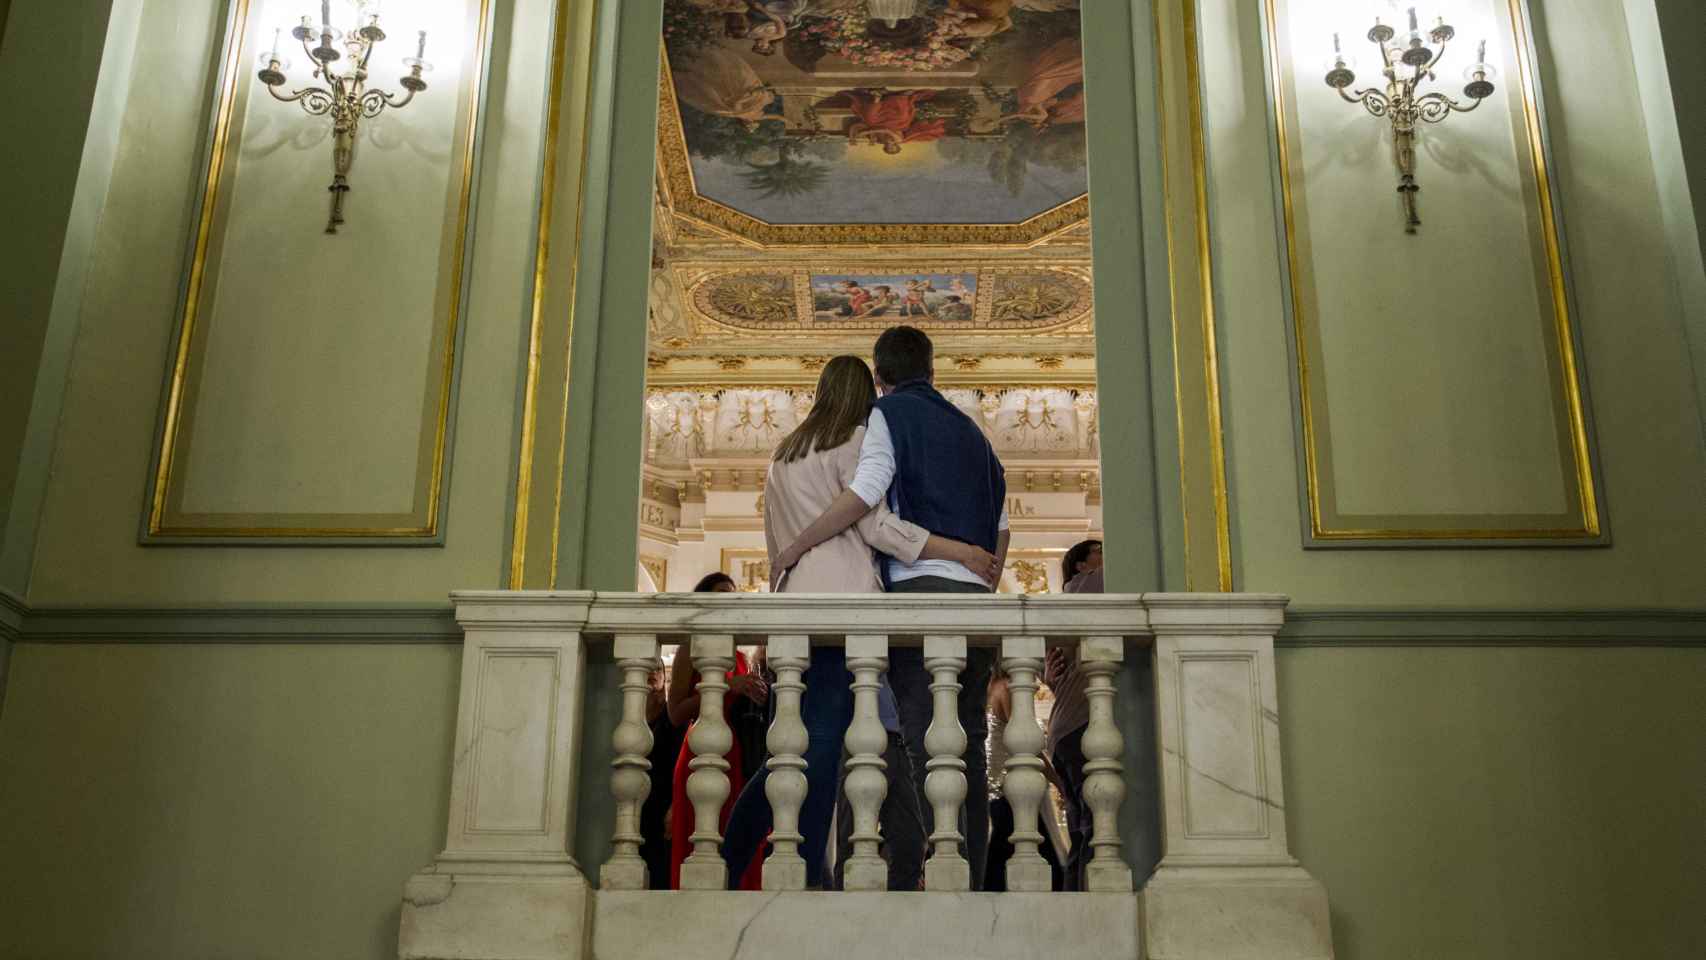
262,800
44,155
217,801
1500,803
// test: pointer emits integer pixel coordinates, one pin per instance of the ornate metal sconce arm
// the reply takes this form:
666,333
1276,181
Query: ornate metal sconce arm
1371,99
1435,107
346,100
1406,65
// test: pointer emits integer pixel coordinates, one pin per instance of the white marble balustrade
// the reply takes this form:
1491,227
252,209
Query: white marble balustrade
506,885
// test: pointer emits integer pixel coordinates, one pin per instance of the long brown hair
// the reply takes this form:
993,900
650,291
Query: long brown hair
845,393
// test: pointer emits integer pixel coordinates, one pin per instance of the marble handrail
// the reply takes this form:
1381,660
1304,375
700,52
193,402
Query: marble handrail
907,618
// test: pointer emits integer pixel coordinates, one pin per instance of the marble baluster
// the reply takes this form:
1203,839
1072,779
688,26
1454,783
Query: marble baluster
1025,785
785,869
708,784
630,780
945,786
866,784
1099,659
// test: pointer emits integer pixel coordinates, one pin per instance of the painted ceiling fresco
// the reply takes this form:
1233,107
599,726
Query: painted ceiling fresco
807,121
967,300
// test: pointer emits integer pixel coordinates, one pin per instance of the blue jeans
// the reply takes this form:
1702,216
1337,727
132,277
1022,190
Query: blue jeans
827,711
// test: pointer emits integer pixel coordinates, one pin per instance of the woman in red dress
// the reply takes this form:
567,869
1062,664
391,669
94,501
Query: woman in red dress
684,707
891,119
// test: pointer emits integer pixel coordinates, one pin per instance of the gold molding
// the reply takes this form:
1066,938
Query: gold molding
1590,526
1193,220
734,561
231,80
562,27
685,202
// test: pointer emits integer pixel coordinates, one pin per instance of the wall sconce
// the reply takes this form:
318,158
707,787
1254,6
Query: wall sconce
348,101
1407,64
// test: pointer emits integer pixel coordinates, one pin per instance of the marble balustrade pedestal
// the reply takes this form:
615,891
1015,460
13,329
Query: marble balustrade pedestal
505,887
1227,887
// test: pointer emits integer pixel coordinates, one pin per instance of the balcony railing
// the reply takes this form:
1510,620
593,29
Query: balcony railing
1225,869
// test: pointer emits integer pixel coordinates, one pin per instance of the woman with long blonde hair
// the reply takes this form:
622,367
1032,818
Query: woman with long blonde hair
811,468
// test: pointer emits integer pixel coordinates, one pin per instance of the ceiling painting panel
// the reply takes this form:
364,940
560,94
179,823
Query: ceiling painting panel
807,122
945,299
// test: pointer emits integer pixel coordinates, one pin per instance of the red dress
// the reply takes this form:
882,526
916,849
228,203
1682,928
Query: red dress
897,112
681,808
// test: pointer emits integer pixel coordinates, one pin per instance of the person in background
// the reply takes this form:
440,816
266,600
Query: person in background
683,710
1081,571
654,813
1001,823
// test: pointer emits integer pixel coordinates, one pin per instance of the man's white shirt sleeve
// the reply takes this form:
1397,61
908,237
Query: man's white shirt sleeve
876,462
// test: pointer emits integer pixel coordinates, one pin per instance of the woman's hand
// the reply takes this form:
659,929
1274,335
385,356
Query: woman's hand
786,560
750,686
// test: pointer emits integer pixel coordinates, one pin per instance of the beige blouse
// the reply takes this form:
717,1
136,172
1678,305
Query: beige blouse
798,493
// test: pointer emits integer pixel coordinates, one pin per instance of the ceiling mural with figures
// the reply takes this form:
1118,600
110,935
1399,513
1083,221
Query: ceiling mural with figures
808,122
953,299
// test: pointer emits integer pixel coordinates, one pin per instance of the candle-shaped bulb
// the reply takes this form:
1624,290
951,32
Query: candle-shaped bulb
1481,54
1336,48
1413,27
275,35
420,47
326,13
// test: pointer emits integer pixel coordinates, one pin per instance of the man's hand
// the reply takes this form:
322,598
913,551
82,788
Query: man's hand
750,686
986,565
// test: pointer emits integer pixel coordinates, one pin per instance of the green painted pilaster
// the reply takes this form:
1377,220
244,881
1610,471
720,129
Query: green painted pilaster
1665,38
1140,479
601,486
60,170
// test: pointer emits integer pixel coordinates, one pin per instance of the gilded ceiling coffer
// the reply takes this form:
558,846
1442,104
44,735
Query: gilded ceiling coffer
1406,64
348,100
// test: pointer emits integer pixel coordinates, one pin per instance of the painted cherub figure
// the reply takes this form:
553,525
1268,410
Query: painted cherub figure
915,291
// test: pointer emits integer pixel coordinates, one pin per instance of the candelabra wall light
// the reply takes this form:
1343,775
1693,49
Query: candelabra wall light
1407,64
345,96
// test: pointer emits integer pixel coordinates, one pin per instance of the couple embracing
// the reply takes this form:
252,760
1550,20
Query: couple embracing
884,486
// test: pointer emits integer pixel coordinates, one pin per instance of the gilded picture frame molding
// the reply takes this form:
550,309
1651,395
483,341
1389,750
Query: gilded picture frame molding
217,143
1594,529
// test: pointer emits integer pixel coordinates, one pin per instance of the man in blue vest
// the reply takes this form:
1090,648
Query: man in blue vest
935,468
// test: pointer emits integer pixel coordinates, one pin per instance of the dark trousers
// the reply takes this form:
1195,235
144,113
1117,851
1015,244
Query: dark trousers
826,709
902,824
1001,847
911,684
1069,763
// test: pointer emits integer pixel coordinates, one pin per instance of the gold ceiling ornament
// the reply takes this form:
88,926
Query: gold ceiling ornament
758,299
345,96
1027,298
